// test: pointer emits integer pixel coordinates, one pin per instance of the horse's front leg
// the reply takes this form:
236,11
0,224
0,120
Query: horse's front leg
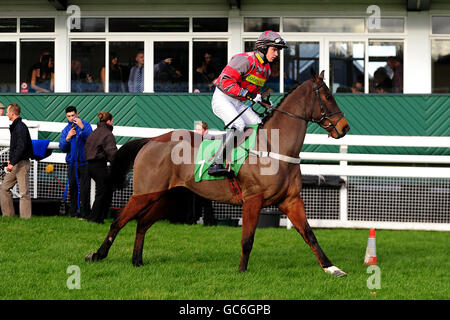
294,208
250,214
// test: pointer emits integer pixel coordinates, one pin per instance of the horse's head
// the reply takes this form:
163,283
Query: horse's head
324,109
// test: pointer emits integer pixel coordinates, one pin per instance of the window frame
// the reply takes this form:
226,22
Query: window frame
324,39
149,38
436,36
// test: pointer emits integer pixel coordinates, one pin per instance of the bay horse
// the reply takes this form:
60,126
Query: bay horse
156,176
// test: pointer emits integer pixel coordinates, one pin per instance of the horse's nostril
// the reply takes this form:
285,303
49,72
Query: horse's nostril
346,129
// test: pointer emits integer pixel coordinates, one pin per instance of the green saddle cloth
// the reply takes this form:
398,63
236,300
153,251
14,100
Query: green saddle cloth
208,149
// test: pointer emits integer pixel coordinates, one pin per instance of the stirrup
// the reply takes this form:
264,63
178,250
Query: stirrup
218,169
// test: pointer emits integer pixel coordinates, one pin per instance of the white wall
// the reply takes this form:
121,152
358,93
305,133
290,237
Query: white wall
417,56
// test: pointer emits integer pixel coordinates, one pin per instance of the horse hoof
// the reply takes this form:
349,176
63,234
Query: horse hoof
335,271
138,263
91,257
242,270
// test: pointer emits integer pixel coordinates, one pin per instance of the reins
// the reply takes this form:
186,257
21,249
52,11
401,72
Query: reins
323,109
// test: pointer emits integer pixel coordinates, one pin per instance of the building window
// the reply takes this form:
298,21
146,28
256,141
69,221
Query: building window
261,24
440,25
37,66
299,58
37,25
440,59
171,68
346,65
8,67
8,25
385,74
355,25
149,24
209,60
210,24
389,25
90,25
88,60
123,76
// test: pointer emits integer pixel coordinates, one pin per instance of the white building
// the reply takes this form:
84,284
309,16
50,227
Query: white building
349,39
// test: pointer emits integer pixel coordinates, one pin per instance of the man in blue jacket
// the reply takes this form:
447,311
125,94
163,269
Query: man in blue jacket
73,139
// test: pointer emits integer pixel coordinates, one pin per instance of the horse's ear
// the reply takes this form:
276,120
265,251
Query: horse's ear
313,74
322,75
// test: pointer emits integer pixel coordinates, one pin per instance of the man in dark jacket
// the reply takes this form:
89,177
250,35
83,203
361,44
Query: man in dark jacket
20,152
72,141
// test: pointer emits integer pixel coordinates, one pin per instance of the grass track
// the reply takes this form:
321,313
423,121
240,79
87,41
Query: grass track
200,263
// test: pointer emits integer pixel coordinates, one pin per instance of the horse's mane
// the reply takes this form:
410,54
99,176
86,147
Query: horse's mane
270,114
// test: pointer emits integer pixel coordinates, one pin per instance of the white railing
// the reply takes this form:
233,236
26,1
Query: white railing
412,167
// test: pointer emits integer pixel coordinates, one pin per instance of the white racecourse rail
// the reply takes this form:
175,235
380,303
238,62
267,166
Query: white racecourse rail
404,171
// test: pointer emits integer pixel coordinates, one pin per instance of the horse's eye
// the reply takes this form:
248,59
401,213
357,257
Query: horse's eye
328,96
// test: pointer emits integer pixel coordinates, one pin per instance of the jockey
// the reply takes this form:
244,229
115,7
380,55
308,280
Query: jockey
239,81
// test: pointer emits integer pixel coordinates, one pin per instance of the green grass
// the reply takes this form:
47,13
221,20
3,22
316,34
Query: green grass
197,262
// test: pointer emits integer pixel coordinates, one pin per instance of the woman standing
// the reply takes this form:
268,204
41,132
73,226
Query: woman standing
100,149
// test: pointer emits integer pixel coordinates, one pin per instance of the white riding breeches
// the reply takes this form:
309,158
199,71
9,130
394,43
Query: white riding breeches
227,108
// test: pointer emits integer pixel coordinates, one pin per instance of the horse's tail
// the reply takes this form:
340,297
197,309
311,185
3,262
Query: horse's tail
123,161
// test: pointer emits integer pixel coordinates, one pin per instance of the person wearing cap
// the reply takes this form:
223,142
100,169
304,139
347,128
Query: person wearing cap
241,80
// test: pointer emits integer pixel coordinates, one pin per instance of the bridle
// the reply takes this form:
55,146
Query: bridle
325,114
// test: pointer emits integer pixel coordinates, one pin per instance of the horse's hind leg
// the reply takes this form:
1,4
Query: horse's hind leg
295,210
250,214
157,212
135,205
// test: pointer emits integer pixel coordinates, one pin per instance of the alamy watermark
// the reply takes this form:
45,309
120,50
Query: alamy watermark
74,280
73,21
374,281
374,20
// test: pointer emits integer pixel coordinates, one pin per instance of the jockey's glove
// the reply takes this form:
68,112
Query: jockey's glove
257,98
250,95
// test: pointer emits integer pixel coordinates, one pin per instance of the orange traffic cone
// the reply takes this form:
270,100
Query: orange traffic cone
371,251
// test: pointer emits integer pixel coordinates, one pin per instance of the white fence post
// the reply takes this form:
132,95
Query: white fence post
343,194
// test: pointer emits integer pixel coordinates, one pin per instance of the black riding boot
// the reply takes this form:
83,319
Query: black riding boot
217,167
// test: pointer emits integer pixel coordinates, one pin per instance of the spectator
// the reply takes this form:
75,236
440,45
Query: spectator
358,87
42,78
136,79
100,148
166,75
397,80
382,88
273,83
20,152
382,80
72,141
211,71
80,81
201,127
116,81
201,79
4,121
37,65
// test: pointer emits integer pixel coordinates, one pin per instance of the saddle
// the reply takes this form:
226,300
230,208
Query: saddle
208,148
